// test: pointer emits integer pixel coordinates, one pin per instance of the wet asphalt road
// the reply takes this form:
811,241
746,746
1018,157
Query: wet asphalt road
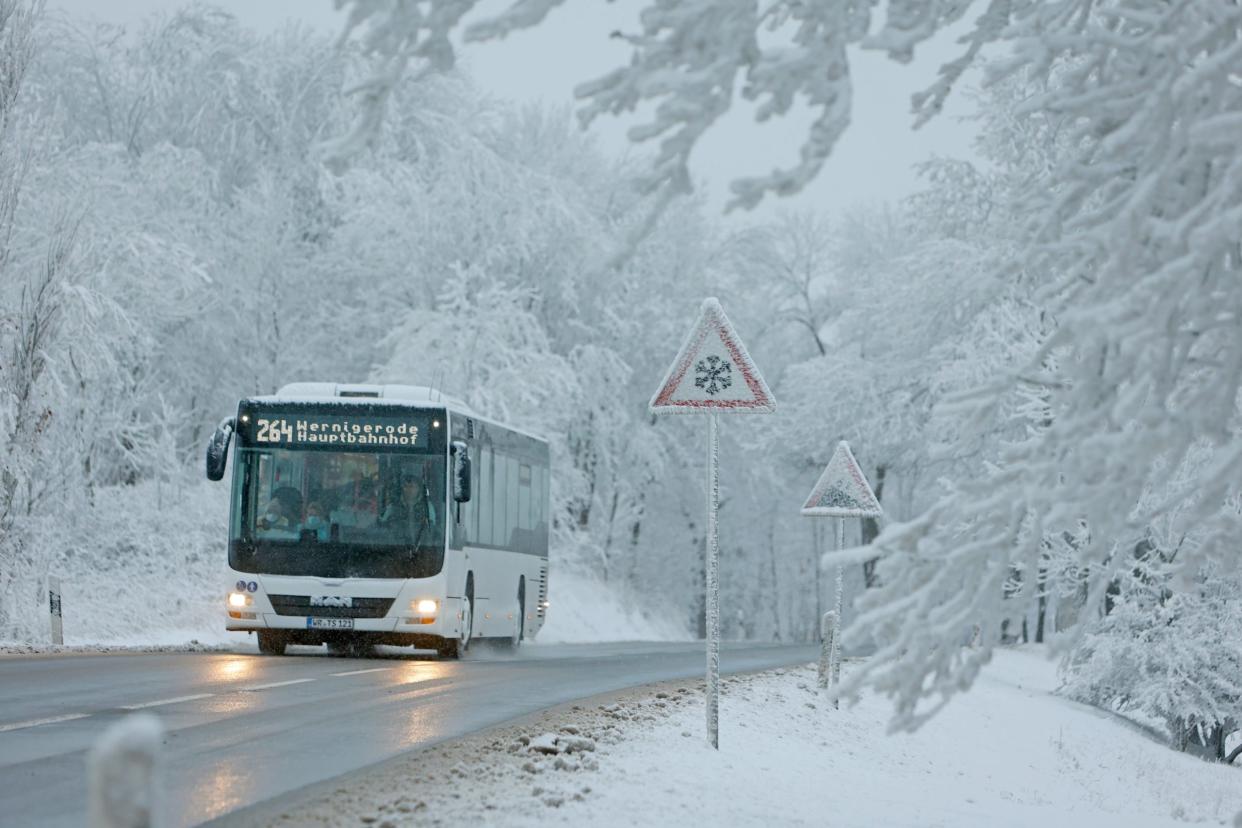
243,728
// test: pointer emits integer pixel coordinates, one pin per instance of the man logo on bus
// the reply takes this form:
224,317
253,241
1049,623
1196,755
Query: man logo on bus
714,375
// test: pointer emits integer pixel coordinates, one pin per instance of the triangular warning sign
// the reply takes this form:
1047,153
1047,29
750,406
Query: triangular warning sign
712,372
842,490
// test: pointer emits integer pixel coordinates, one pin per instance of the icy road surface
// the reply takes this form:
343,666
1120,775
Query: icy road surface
242,728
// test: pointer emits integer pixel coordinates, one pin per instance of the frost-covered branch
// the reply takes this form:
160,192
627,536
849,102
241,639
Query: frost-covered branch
690,58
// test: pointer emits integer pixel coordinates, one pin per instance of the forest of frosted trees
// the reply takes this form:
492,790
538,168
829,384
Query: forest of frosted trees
1036,358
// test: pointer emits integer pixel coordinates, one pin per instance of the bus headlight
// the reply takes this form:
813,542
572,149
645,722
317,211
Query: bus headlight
239,599
426,606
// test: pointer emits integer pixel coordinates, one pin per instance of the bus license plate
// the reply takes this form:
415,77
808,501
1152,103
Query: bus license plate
329,623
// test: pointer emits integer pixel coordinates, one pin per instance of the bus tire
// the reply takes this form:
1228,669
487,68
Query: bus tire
519,629
272,642
457,647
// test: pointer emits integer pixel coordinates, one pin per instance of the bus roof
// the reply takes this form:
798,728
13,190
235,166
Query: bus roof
413,396
408,396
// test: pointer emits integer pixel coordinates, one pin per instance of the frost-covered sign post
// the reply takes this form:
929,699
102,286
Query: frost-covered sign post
842,491
712,373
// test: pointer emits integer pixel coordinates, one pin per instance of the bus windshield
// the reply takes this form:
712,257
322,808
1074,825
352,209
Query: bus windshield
338,514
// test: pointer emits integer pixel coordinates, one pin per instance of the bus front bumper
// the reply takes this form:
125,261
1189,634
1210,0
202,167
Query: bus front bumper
271,621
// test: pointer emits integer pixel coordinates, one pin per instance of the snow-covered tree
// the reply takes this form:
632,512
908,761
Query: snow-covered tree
1129,245
1135,244
38,272
165,259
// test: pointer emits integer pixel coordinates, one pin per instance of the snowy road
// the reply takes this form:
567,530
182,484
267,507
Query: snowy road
244,728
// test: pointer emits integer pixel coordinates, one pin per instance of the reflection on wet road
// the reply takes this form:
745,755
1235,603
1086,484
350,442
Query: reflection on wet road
244,728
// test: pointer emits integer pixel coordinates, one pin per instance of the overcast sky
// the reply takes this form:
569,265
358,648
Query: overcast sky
873,162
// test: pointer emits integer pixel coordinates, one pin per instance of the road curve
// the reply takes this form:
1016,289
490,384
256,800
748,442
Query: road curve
243,728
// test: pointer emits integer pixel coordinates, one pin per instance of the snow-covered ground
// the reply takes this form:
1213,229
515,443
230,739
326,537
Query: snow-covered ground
146,570
1008,753
584,610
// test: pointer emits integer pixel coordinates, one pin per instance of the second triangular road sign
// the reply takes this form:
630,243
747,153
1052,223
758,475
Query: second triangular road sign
842,490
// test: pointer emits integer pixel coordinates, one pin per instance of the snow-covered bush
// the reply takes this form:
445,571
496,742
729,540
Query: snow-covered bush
1173,657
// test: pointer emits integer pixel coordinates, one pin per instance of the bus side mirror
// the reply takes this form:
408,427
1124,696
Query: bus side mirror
218,449
461,472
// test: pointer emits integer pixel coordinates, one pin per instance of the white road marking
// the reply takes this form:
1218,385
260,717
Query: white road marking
68,717
360,672
162,702
252,688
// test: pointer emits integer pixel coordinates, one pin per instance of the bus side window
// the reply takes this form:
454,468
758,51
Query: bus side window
500,499
512,500
525,514
541,498
484,495
476,493
538,476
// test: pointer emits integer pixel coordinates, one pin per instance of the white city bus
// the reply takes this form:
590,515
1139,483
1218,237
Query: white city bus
382,514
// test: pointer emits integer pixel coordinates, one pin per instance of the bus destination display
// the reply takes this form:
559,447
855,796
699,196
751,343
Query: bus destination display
287,430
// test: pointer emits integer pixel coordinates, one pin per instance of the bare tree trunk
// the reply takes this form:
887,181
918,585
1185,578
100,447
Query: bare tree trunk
871,529
1041,615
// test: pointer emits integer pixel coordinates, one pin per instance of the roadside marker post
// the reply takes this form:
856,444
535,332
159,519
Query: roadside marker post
827,640
712,374
54,609
842,491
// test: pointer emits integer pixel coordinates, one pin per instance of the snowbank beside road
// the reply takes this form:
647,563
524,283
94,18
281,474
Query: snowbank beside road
142,567
583,610
1009,753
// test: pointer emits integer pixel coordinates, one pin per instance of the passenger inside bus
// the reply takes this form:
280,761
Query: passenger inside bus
358,505
316,523
282,515
411,509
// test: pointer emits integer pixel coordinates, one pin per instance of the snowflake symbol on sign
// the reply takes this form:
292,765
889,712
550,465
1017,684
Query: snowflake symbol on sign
714,375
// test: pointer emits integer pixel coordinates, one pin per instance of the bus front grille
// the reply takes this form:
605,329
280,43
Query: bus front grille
301,605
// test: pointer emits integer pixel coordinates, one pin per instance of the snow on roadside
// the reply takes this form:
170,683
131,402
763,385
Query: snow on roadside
143,568
190,646
1008,753
584,610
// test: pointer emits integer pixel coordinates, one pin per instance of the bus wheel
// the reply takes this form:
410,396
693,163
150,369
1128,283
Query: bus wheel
519,629
272,642
456,647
